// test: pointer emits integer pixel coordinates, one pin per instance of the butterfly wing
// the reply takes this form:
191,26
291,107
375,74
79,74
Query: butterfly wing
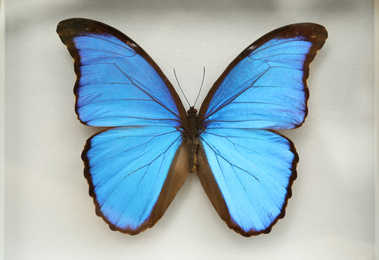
267,81
134,173
247,175
134,170
118,84
246,169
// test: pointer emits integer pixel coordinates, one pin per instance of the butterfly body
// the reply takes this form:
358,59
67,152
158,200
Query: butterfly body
191,135
136,167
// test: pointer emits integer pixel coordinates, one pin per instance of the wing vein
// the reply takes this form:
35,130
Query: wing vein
103,39
277,44
123,72
237,95
130,173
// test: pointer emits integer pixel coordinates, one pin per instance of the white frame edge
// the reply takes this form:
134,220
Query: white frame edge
376,126
2,128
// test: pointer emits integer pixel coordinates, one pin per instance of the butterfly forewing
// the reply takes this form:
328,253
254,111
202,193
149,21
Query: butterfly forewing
117,84
267,81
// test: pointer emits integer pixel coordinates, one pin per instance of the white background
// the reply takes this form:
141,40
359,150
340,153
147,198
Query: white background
48,213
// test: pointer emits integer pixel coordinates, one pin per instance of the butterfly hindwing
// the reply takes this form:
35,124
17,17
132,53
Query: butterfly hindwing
251,172
247,170
134,174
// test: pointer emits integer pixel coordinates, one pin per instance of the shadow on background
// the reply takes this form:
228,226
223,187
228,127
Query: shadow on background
22,17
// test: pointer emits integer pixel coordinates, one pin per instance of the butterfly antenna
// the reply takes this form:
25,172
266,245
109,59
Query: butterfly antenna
202,82
181,88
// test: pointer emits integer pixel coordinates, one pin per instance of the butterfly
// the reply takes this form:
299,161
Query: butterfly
136,166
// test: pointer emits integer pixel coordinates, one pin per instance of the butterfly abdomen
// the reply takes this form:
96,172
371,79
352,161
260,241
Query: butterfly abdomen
192,138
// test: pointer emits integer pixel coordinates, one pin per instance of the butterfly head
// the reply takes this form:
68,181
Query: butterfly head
192,111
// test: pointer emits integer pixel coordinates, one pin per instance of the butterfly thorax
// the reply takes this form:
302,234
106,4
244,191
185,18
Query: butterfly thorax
191,129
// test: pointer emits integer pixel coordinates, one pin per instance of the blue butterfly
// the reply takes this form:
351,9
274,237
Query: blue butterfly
136,166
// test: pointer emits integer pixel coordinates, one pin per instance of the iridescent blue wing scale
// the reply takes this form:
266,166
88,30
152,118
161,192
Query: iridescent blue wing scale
246,169
135,169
